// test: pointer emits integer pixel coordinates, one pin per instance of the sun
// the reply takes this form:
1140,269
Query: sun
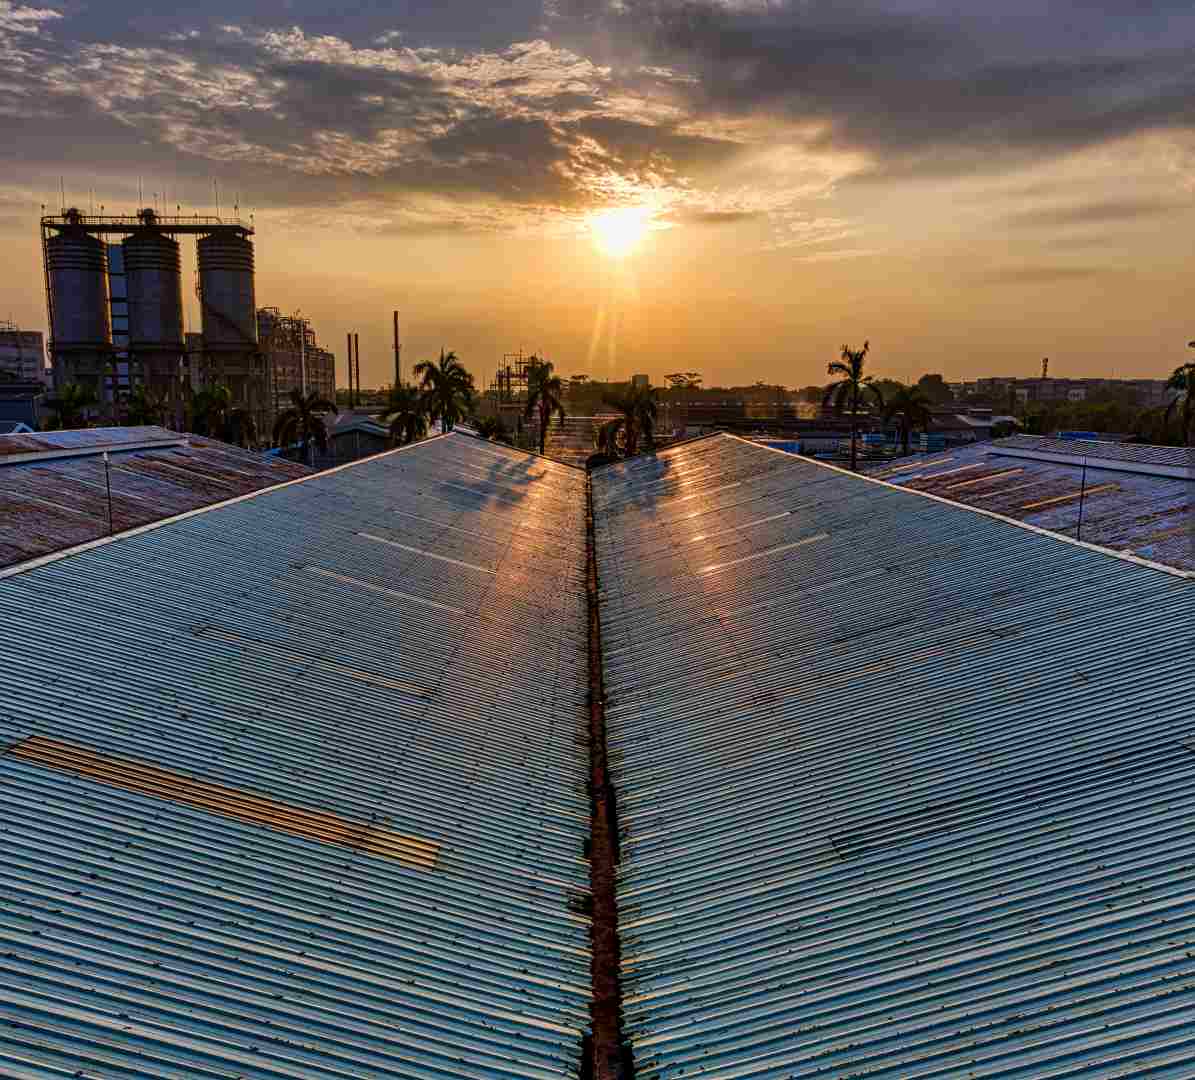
618,232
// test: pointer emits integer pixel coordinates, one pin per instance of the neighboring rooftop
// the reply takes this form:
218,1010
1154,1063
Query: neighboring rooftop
905,790
53,491
1135,499
296,786
1159,460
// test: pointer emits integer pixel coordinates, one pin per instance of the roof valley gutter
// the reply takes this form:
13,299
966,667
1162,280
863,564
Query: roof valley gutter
607,1056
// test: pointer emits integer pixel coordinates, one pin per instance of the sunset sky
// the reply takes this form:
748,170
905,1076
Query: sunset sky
730,186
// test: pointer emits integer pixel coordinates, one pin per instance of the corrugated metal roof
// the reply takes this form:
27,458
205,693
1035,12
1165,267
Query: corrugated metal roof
297,677
97,439
905,790
1177,457
1147,515
58,498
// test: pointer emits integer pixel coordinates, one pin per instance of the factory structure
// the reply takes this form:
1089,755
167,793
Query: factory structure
22,354
114,296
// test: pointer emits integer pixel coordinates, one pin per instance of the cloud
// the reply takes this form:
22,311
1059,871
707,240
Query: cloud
530,123
711,111
714,217
1038,274
920,88
1105,212
20,19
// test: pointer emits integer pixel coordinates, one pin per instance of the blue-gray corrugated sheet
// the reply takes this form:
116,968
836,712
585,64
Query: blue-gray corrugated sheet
270,647
906,791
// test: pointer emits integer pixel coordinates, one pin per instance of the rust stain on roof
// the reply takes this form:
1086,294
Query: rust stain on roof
156,782
1070,496
59,499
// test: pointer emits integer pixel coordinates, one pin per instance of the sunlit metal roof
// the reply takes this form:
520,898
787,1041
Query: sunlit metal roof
905,790
54,489
1123,502
296,786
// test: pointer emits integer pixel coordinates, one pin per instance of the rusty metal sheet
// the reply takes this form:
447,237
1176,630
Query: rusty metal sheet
60,499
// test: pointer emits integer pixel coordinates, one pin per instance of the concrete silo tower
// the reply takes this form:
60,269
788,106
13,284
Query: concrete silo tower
77,297
153,275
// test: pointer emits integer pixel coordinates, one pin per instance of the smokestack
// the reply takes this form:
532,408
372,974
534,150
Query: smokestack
398,355
348,344
357,350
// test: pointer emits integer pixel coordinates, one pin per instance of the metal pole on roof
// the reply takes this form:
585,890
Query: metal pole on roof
108,484
1082,493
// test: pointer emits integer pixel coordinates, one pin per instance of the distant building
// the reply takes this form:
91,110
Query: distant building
641,380
22,401
352,436
294,359
1149,393
22,353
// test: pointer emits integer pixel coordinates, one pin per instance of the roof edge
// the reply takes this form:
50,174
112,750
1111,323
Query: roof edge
1186,575
103,541
94,450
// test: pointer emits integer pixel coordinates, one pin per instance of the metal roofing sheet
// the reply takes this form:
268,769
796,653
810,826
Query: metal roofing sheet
47,442
1147,515
300,678
905,790
57,501
1180,457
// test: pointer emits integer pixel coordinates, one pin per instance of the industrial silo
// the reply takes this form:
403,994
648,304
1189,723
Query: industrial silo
229,306
80,316
153,278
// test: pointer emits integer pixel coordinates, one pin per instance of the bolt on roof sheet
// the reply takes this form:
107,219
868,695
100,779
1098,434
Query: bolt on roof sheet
905,790
281,800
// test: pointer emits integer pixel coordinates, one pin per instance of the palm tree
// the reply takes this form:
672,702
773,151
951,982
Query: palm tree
240,427
406,414
639,411
544,392
1183,405
492,428
214,414
607,436
447,387
912,407
302,422
209,408
145,406
70,405
848,392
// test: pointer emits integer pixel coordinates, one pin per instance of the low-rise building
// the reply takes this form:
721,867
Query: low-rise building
22,353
